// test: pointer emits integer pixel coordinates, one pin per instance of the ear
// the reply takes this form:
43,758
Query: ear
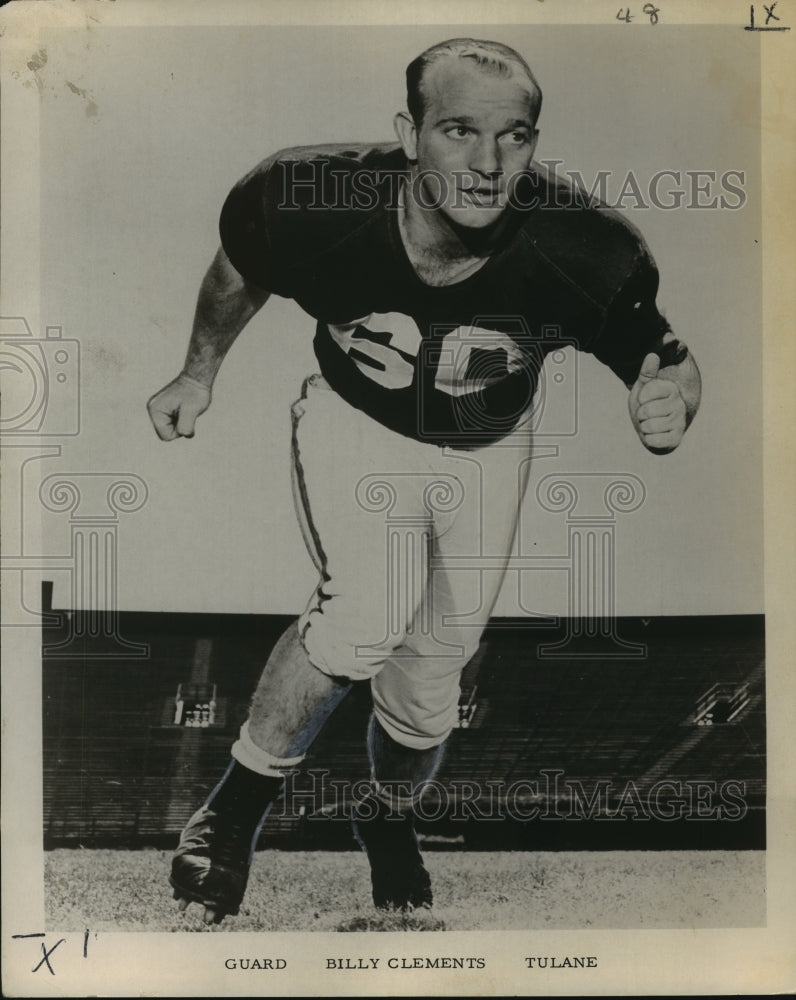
406,130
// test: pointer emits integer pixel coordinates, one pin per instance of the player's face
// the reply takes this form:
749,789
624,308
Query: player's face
478,133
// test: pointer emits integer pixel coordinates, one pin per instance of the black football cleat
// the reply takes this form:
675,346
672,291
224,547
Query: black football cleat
398,876
212,861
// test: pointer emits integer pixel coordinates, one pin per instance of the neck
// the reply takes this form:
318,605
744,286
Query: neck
429,232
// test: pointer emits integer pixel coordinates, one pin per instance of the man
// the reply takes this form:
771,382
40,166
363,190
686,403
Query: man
431,269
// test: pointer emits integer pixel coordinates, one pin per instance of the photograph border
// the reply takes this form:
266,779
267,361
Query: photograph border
637,962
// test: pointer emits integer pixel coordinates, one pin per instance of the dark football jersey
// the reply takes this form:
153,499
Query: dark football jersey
456,364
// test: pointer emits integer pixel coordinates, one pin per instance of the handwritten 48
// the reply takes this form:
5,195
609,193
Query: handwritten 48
624,14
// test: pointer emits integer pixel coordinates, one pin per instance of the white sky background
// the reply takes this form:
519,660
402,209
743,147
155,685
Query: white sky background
134,172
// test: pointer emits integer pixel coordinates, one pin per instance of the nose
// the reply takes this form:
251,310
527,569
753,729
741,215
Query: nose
485,158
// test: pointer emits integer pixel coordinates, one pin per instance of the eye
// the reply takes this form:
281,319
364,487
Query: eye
515,138
458,132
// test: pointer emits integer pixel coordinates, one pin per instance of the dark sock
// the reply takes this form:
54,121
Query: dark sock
397,768
245,793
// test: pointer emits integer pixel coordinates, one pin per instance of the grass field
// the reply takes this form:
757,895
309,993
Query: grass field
108,890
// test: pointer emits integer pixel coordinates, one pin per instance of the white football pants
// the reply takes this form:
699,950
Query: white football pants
411,542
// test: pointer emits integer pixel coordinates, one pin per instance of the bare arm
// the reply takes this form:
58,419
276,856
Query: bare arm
225,305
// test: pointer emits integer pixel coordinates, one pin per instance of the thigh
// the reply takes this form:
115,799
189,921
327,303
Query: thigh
472,548
345,467
416,693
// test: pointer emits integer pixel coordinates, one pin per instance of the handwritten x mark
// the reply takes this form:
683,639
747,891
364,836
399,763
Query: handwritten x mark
47,952
770,11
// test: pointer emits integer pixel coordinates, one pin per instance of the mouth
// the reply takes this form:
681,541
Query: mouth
485,196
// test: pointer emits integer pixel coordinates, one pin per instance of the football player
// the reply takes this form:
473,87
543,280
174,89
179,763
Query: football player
430,268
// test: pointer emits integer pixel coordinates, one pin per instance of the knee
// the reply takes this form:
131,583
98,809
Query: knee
416,728
393,759
339,653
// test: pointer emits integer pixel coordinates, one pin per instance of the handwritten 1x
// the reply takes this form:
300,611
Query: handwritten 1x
769,15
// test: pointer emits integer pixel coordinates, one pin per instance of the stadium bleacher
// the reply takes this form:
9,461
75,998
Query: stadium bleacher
669,749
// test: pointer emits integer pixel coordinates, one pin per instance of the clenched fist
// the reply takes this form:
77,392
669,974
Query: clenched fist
657,408
174,409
